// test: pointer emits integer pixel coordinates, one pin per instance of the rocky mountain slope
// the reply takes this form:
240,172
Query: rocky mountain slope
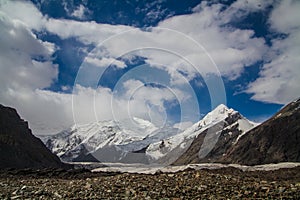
276,140
19,148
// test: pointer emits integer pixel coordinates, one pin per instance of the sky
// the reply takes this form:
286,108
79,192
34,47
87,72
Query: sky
65,62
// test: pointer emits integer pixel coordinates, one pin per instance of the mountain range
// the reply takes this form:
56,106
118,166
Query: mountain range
110,142
222,136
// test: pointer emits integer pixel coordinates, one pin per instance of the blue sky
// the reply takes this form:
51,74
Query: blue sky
77,61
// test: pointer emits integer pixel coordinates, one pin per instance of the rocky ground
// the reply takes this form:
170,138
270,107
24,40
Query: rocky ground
227,183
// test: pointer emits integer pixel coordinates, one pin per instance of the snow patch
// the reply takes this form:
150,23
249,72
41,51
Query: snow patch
146,169
244,126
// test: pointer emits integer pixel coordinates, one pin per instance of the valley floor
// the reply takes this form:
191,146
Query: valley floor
222,183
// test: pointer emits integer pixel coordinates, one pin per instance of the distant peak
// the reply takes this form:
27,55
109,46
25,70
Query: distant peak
221,106
221,109
219,112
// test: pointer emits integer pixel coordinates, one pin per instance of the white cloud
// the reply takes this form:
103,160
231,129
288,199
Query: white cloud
241,8
65,88
136,90
137,100
19,48
47,112
284,17
86,32
80,12
204,26
26,64
279,79
30,16
23,11
104,62
231,49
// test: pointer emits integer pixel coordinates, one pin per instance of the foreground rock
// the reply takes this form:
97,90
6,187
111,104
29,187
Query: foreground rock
19,148
189,184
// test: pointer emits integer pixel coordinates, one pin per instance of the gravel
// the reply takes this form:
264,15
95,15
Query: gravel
227,183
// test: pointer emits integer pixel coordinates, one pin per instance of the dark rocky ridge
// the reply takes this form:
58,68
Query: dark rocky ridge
276,140
19,148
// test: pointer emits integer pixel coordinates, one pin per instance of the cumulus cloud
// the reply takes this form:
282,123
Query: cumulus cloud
26,66
104,62
136,90
279,79
80,12
136,100
86,32
21,53
25,12
230,48
241,8
47,112
204,36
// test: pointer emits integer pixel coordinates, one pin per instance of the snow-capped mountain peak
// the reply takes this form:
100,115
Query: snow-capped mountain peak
220,108
219,112
221,119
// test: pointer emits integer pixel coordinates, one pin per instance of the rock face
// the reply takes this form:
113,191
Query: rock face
276,140
19,148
